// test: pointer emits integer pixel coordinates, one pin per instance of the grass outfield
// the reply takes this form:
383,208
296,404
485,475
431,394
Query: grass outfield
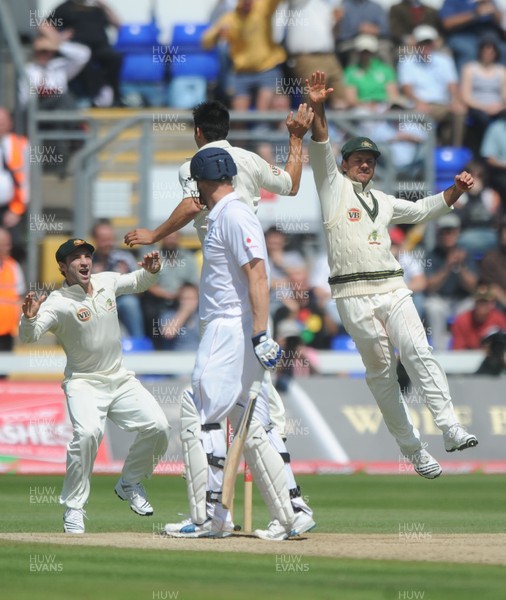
342,504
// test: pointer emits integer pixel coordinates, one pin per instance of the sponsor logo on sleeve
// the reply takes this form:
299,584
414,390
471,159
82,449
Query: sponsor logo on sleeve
275,170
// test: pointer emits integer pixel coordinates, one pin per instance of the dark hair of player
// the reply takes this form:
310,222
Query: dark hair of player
213,119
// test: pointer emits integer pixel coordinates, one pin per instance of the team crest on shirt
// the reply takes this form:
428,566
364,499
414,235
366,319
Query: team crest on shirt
354,214
374,238
84,314
275,170
110,305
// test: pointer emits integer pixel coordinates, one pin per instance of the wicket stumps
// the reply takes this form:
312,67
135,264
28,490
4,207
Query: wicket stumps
248,499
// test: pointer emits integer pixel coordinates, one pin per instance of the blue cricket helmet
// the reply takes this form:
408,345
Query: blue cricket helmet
213,164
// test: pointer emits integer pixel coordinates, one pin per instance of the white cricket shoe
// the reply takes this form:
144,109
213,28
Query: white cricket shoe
275,532
457,438
301,524
188,529
136,496
425,464
73,520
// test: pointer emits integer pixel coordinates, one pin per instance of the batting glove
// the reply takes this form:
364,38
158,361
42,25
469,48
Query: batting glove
267,350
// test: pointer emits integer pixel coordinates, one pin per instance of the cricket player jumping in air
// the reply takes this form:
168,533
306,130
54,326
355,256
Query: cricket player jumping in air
366,280
82,315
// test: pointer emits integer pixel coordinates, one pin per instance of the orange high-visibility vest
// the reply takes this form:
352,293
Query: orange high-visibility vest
15,161
10,311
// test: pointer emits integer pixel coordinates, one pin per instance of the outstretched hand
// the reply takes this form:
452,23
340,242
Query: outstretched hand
318,93
31,305
301,124
139,237
151,262
464,181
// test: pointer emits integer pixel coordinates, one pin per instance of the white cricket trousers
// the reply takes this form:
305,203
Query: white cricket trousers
379,323
122,398
225,368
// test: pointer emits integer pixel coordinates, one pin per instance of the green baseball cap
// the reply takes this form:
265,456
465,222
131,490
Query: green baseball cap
357,144
69,246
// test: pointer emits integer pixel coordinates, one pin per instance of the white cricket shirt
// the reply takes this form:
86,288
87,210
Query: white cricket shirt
87,326
253,173
234,238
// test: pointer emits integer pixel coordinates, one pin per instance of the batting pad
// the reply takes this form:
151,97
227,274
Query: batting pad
195,458
268,471
215,447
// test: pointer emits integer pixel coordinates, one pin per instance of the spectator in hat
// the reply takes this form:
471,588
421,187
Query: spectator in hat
357,17
429,79
371,84
451,279
465,22
471,326
56,61
483,90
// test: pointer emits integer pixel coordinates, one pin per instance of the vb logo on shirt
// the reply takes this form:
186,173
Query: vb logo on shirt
354,214
84,314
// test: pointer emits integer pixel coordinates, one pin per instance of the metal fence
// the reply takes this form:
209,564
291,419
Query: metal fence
100,153
104,142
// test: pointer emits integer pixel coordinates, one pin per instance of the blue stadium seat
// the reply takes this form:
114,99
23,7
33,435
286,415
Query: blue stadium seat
142,75
202,64
135,36
132,344
188,35
142,67
448,161
185,92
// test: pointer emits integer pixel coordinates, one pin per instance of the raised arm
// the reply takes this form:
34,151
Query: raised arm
463,183
35,324
297,129
318,95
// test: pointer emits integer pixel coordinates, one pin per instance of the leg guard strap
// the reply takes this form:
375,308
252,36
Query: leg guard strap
216,461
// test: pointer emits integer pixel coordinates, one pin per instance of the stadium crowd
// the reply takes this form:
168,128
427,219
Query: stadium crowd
448,64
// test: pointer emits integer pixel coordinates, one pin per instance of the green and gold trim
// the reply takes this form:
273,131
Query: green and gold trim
365,276
372,212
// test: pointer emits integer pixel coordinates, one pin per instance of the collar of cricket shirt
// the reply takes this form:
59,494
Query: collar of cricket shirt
373,210
216,210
